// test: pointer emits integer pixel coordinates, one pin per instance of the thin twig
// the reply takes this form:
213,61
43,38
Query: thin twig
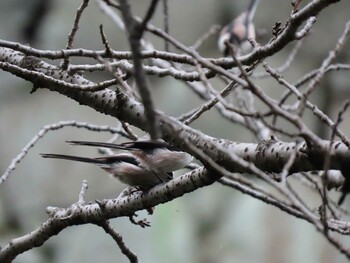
53,127
119,240
84,187
74,30
166,23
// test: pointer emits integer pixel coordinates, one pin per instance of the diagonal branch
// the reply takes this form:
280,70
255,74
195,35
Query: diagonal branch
135,32
263,155
119,240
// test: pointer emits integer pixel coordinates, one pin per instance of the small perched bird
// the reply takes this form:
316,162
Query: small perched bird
125,167
147,163
239,31
157,156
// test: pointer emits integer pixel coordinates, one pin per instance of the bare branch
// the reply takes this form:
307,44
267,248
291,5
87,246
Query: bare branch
84,187
135,31
53,127
74,30
120,242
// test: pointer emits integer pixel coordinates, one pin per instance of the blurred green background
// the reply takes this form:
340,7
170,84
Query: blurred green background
214,224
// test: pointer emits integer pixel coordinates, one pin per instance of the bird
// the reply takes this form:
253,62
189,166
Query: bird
239,31
147,163
125,167
154,155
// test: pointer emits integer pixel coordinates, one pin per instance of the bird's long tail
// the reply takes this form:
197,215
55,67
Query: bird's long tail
73,158
102,144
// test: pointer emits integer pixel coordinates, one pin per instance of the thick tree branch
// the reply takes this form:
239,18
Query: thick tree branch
79,214
119,105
